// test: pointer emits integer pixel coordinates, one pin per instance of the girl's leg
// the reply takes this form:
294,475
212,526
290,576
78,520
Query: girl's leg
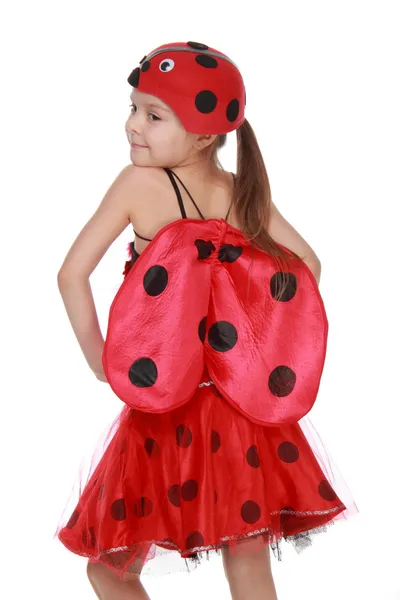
249,575
108,586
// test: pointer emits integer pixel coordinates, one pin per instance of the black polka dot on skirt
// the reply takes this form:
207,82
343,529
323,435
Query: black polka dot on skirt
325,491
215,441
118,509
183,436
143,507
250,511
288,452
252,457
189,489
89,537
194,540
174,494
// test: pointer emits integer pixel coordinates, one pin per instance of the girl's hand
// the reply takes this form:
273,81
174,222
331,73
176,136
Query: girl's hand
101,376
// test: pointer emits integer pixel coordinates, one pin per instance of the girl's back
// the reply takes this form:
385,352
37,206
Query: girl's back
159,204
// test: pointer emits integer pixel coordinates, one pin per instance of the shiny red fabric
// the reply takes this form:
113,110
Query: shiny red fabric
165,490
201,295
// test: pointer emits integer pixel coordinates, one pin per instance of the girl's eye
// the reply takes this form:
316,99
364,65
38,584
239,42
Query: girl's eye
155,116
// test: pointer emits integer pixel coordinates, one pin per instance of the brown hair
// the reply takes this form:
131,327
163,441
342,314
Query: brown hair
251,201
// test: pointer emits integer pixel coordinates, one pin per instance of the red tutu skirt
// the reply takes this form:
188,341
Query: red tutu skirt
168,490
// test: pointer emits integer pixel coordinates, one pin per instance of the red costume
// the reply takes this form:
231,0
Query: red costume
215,371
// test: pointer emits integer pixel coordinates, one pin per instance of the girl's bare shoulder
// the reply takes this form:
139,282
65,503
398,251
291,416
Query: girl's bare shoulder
126,194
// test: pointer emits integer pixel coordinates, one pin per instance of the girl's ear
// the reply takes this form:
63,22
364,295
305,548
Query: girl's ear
204,140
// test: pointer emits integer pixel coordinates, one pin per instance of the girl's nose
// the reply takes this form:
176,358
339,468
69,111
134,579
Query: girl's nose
133,126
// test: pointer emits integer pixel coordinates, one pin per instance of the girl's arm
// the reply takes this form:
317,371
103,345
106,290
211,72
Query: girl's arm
284,233
107,223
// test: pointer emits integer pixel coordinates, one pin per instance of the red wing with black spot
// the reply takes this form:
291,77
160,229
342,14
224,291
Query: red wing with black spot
200,294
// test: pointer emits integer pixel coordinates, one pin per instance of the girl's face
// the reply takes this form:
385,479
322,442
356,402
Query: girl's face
155,126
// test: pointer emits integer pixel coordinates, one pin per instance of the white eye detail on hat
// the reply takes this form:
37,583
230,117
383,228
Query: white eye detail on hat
167,64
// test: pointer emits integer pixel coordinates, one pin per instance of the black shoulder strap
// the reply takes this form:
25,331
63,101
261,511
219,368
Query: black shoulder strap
142,237
169,171
178,193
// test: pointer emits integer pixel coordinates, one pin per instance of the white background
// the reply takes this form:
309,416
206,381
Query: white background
322,82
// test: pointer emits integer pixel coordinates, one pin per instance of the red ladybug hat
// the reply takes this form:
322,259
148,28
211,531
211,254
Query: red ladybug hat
202,85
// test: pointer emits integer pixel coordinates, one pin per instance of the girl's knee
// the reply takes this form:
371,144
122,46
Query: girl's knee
94,570
246,558
97,571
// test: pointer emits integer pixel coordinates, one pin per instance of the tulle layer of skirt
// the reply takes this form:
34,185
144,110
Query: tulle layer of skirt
166,491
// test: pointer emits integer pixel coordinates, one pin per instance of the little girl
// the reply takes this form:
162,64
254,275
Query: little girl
215,344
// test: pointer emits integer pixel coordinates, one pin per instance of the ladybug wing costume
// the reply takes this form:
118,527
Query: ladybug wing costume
216,370
200,295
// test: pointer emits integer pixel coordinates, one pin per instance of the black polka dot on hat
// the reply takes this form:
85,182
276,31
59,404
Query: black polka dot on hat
232,110
155,280
143,507
250,511
146,66
206,101
189,489
215,440
326,491
73,519
118,509
143,372
202,329
194,540
222,336
133,78
277,284
89,537
252,457
206,61
288,452
174,494
183,436
229,253
197,45
281,381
